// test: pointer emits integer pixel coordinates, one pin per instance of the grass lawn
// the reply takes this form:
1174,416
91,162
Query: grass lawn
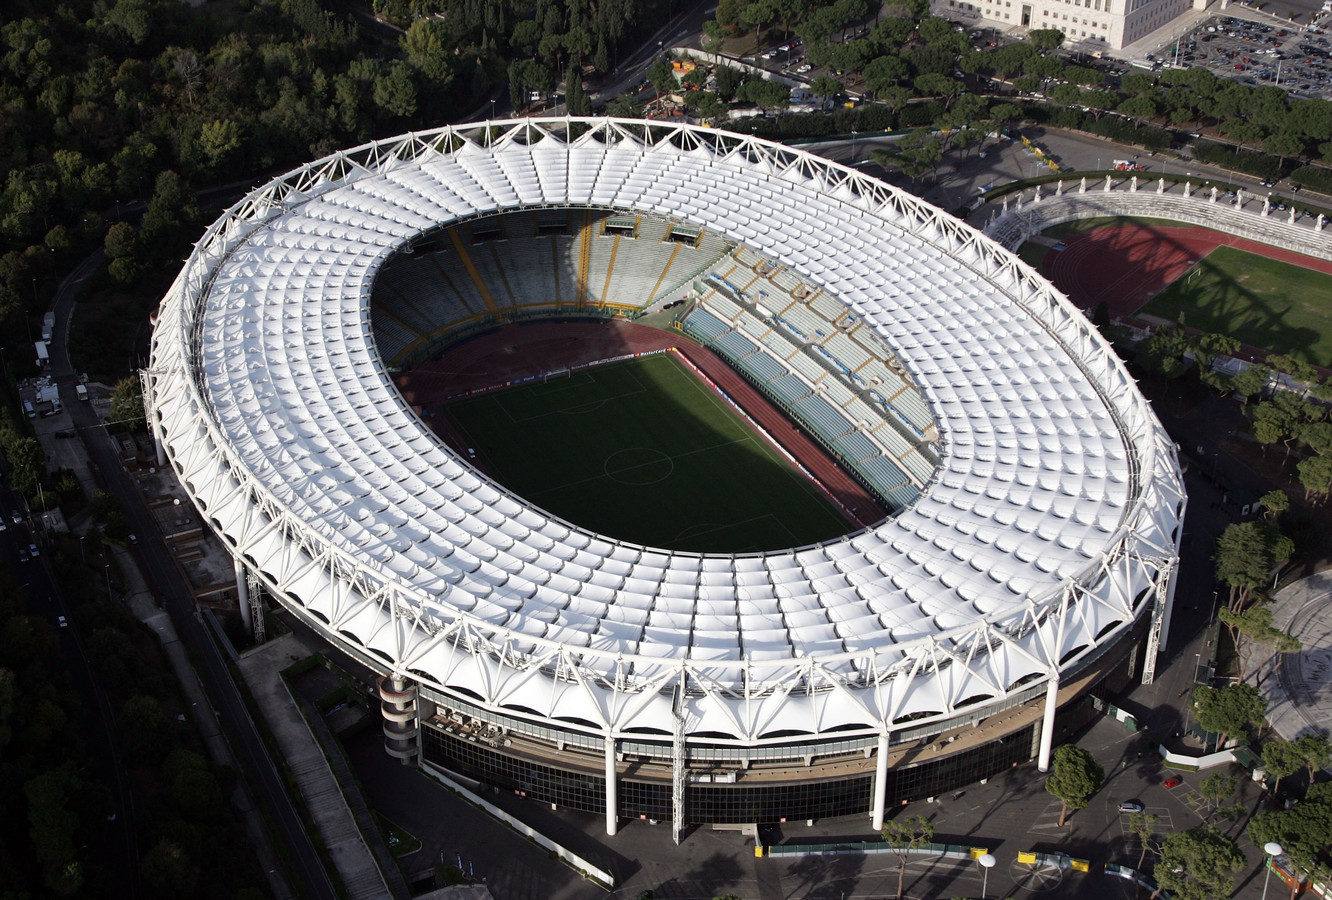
1033,254
1269,304
644,452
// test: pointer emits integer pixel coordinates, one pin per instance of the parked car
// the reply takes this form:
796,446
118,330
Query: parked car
60,620
33,552
1130,806
1173,781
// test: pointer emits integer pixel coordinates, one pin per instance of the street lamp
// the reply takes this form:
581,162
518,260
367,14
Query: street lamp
107,570
1273,850
987,862
83,558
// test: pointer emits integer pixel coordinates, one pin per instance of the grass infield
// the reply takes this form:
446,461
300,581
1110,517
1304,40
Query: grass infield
1263,302
644,452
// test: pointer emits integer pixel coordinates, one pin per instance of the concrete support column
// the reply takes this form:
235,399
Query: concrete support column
612,799
243,595
1047,723
880,781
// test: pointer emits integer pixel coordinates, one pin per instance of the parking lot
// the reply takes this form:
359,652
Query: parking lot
1253,53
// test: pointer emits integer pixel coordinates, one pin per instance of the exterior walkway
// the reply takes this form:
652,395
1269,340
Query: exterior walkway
1299,698
261,668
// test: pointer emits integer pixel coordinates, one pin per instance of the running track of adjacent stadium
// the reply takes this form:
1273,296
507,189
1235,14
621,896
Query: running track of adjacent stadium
534,348
1125,266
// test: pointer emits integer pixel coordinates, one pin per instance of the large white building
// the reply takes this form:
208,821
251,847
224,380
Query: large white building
1038,500
1105,25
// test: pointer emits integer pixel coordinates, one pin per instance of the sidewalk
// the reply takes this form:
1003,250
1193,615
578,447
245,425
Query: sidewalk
261,668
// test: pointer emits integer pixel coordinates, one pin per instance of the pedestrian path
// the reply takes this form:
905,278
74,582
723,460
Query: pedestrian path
261,668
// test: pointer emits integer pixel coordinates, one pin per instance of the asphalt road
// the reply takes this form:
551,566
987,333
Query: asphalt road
257,768
960,176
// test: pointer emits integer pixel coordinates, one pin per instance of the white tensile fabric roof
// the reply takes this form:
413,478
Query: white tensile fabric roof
1052,514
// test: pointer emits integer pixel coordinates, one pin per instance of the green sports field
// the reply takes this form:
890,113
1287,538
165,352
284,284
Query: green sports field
1265,303
644,452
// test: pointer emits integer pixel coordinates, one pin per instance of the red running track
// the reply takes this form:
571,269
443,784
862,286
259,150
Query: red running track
533,348
1125,266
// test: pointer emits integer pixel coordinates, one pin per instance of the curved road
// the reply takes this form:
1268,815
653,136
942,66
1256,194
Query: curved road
257,769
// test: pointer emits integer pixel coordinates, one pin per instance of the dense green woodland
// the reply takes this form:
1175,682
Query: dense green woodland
104,103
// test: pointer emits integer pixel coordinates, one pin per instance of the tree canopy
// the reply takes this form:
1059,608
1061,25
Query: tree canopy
1075,778
1199,864
1229,710
906,834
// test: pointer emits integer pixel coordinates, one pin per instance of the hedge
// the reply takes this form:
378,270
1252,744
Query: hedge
1252,162
1316,177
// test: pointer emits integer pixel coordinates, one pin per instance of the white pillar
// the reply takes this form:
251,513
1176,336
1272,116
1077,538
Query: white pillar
243,595
880,781
1047,723
612,800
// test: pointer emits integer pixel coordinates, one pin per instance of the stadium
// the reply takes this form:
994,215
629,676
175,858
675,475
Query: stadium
1022,568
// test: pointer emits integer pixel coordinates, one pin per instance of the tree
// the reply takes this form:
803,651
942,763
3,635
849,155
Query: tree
1255,623
1316,751
624,106
729,80
1045,39
1228,710
1281,758
1315,475
1143,826
905,835
1250,380
1198,864
576,100
825,87
1303,831
1076,777
1246,555
127,402
766,95
661,75
1215,788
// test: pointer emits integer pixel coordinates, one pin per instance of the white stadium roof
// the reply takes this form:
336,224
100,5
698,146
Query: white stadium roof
1050,518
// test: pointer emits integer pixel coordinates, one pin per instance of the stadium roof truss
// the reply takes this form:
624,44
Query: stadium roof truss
1049,529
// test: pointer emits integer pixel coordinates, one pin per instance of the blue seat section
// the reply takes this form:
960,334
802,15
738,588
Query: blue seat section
704,325
763,367
881,472
735,345
789,388
855,446
822,417
903,495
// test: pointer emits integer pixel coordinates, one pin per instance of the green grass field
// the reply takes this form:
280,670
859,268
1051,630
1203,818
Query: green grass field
1263,302
644,452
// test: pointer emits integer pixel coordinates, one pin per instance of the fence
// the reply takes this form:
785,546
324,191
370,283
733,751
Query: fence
944,851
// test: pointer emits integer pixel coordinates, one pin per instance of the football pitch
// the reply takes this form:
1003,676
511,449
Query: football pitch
1263,302
644,452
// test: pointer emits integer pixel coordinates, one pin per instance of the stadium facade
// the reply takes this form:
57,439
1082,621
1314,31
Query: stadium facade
1027,566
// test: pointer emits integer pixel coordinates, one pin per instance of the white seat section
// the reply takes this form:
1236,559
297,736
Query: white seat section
1013,458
